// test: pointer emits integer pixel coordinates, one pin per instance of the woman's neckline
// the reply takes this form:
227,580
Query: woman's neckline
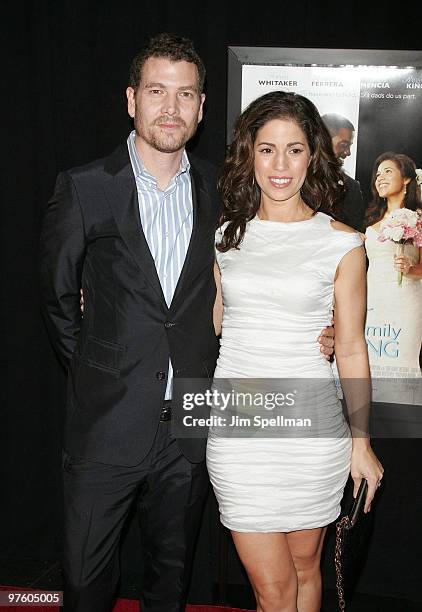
257,219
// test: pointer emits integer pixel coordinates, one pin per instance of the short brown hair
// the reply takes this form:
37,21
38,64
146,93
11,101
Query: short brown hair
172,47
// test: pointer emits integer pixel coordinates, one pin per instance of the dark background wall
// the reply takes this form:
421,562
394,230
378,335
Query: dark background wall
65,68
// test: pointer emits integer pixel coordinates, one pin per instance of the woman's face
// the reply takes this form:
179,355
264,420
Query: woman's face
281,160
388,179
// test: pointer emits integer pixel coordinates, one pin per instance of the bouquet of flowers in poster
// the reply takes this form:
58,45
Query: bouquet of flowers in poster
402,226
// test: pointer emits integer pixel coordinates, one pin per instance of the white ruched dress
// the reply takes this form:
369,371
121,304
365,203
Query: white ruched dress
278,296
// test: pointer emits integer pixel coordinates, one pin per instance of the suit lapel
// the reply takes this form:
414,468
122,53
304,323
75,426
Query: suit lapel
121,193
199,202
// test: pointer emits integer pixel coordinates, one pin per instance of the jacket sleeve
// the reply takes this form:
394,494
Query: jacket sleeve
62,249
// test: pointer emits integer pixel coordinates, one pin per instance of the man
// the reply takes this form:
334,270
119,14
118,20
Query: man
342,133
135,231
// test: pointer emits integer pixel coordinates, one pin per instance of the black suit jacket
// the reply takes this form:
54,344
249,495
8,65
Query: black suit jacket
352,206
117,354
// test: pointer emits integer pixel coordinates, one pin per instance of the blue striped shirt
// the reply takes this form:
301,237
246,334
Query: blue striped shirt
166,218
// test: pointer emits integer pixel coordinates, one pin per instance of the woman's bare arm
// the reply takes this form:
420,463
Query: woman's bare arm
218,304
353,365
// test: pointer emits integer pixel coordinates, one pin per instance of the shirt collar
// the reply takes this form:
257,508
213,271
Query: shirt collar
139,169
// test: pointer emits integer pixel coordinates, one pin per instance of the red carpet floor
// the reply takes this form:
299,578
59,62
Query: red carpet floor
122,605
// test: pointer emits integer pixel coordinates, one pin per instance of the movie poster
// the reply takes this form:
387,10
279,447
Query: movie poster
384,104
330,89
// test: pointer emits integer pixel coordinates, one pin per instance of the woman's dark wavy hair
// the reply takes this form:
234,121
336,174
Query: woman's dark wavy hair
323,188
412,198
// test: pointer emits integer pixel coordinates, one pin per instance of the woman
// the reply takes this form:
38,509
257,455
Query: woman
394,319
278,494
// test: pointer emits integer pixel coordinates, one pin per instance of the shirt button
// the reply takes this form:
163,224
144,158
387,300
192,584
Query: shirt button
166,234
169,324
160,376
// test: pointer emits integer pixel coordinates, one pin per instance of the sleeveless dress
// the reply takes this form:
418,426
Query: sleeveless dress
394,317
278,295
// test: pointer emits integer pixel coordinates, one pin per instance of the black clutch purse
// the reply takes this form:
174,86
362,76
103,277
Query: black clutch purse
352,530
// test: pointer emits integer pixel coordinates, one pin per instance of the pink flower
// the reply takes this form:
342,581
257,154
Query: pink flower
402,225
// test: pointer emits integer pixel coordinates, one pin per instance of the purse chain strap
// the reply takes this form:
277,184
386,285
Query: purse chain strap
342,524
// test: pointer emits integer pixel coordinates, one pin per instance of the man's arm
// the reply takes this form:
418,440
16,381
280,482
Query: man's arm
62,247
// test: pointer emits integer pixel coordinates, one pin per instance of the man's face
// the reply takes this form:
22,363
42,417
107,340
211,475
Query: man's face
342,142
167,105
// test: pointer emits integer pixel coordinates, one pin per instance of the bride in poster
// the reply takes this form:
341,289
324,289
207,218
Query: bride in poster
394,318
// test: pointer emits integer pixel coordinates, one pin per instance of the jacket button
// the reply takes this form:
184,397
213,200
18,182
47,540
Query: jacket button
169,324
161,375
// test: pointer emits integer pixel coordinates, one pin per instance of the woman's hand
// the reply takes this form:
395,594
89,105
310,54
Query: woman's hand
365,464
402,264
326,342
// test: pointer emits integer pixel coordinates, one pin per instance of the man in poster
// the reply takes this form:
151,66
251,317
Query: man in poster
342,133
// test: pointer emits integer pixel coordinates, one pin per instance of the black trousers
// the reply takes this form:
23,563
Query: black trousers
97,499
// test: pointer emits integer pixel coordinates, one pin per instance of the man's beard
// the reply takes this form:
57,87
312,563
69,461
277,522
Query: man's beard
162,141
